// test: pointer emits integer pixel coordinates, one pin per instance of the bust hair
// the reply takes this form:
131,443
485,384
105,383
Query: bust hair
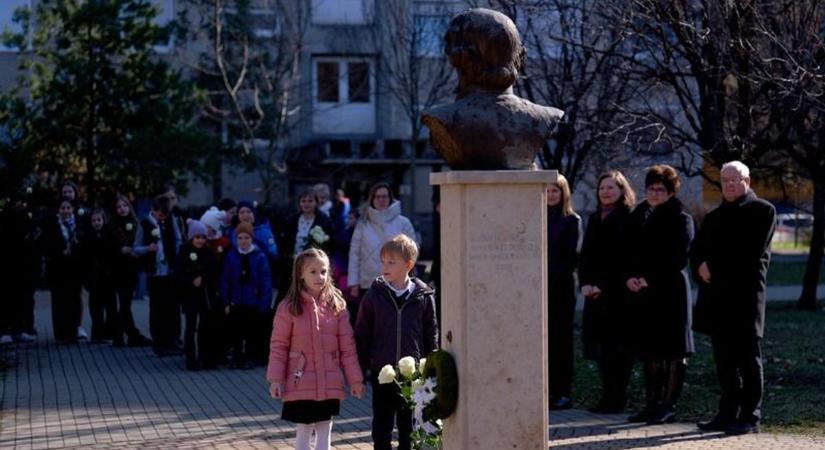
662,173
739,167
485,48
628,194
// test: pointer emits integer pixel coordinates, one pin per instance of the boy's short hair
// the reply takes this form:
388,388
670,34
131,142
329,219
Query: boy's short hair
401,245
161,204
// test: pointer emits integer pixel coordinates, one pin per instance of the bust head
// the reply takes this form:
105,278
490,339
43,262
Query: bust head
485,49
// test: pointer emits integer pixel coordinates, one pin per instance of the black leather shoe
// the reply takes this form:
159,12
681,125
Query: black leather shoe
663,415
561,403
741,428
716,424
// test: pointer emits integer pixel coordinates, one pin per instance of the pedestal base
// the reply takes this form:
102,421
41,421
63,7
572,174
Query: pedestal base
494,306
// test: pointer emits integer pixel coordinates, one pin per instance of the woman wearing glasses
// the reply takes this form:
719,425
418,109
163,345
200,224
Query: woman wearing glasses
659,234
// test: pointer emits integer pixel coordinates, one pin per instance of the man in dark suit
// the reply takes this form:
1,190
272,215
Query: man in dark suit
730,259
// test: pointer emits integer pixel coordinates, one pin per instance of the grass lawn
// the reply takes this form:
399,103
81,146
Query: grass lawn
789,273
794,375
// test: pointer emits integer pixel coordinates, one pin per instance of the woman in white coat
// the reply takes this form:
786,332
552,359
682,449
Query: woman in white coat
380,222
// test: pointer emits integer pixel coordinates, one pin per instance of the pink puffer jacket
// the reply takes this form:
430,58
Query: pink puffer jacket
308,352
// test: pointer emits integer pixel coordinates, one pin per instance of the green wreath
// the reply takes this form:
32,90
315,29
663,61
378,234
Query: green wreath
441,366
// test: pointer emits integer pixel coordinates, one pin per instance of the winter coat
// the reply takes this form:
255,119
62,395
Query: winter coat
372,231
563,237
262,238
193,263
290,230
257,291
22,234
145,237
734,241
657,250
61,266
317,344
605,317
124,230
99,251
386,332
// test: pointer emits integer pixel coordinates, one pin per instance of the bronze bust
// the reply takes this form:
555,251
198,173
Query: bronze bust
487,127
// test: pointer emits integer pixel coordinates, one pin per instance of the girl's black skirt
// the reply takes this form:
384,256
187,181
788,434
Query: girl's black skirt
310,411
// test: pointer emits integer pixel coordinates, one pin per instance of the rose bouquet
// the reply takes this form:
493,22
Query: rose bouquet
419,386
316,238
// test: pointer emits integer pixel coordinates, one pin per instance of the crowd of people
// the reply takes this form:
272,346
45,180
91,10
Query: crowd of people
328,297
633,264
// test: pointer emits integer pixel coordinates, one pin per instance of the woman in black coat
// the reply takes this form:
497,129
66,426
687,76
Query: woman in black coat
604,327
659,234
100,250
61,242
563,232
296,234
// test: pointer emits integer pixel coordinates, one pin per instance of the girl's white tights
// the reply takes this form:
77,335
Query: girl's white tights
303,435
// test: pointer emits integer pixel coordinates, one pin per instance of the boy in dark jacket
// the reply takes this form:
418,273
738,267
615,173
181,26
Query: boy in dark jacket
396,319
100,248
246,289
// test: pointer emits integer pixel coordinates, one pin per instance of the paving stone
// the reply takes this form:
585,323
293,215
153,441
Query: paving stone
91,396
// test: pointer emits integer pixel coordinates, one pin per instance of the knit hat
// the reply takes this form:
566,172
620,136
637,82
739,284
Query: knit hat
246,204
244,227
214,218
195,228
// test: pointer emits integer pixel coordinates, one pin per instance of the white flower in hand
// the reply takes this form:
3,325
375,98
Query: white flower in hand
421,363
129,226
193,256
81,211
318,234
387,375
220,249
156,232
406,366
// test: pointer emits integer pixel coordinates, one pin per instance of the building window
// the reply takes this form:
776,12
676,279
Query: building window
342,80
7,9
328,82
358,74
262,22
342,12
429,34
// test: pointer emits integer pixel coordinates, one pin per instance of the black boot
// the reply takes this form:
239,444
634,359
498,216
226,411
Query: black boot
674,380
652,376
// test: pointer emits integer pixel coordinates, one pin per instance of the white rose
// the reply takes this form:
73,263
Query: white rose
220,249
156,232
406,366
28,190
30,215
81,211
421,363
193,256
129,226
387,375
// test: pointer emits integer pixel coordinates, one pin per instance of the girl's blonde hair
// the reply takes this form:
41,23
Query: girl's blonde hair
333,296
566,201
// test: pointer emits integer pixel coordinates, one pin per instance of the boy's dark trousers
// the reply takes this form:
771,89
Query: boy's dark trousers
164,313
67,307
125,285
246,323
103,309
387,407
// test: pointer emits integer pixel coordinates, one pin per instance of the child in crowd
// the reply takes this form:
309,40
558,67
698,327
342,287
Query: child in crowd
311,344
99,251
124,226
246,289
396,318
61,237
217,242
196,271
157,241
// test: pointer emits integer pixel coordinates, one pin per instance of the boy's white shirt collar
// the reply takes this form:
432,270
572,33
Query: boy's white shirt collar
251,249
398,292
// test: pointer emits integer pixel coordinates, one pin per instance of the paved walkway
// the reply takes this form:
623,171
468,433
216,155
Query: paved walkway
95,396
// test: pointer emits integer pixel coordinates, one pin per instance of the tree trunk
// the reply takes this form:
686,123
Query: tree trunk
807,301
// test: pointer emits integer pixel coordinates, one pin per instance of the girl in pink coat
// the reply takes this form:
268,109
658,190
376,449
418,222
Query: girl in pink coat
312,350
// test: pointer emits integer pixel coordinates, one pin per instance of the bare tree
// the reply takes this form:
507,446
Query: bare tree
247,60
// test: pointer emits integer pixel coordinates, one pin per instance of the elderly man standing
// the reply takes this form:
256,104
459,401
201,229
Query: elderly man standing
730,257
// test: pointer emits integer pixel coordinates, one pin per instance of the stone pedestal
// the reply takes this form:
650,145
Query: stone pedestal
494,306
